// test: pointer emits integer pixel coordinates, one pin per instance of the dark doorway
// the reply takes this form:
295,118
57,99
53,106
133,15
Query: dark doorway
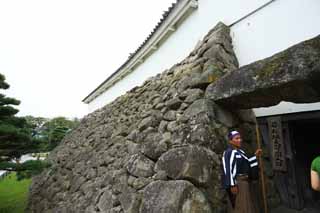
301,137
305,142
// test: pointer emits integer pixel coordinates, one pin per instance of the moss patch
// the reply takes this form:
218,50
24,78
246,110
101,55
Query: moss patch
273,66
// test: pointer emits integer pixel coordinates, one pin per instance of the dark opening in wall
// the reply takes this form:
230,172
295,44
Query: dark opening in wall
301,141
306,146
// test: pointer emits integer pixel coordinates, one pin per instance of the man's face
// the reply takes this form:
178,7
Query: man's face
236,141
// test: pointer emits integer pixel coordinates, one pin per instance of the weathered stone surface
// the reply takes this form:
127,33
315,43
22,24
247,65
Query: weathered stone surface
148,122
208,76
192,163
173,126
225,117
108,160
163,126
197,107
105,201
130,201
172,197
195,95
247,116
173,103
185,93
170,115
133,135
139,183
160,175
154,146
117,209
140,166
291,75
133,148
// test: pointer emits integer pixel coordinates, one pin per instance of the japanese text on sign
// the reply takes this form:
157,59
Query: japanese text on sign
276,139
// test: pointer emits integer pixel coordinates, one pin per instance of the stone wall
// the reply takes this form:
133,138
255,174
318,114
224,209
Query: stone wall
156,149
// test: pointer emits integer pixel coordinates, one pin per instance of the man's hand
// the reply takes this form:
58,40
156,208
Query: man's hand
234,190
258,152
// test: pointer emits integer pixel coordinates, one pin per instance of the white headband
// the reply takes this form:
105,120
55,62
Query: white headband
233,133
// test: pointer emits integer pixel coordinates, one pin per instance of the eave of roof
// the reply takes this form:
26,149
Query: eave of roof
164,18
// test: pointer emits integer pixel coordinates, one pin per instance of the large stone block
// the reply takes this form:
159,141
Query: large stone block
197,107
130,201
191,163
105,201
140,166
292,75
173,197
153,146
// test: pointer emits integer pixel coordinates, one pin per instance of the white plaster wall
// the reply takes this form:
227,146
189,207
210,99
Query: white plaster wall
272,29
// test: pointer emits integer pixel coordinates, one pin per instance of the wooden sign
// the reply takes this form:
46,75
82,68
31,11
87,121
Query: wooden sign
276,140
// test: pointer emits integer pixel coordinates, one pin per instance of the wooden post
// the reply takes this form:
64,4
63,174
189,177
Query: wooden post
264,195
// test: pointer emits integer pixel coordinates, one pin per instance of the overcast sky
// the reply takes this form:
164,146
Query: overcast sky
54,53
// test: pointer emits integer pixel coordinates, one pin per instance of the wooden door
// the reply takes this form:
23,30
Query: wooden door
285,175
287,184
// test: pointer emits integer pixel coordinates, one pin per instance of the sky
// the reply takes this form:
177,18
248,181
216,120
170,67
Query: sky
54,53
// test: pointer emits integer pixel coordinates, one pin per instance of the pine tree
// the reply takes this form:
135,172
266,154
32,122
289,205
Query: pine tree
15,137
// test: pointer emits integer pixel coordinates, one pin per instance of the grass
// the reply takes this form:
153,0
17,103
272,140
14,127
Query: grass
13,194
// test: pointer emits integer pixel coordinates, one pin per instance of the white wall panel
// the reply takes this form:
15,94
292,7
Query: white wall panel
274,28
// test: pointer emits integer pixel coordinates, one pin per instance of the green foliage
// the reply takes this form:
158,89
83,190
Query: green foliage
55,129
31,168
22,135
7,165
50,132
3,84
15,137
13,194
26,169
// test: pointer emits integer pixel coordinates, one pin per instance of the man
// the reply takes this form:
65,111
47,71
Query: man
238,169
315,174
